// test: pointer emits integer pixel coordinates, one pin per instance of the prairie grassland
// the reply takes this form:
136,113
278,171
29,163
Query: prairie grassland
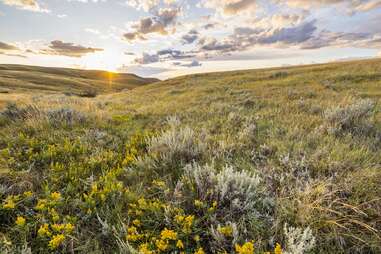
35,79
276,160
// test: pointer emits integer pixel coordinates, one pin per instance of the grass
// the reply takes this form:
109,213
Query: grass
22,78
280,160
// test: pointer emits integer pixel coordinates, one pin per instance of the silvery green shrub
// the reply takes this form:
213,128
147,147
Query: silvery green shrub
353,118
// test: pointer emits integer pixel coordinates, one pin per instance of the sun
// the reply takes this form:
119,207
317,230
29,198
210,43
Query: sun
109,60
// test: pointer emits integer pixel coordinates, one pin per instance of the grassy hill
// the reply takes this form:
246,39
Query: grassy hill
285,160
43,79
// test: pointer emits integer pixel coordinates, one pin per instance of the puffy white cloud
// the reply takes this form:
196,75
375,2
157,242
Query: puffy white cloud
30,5
230,7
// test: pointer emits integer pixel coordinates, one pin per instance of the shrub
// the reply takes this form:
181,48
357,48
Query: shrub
353,118
279,75
237,200
90,93
175,147
298,241
65,116
55,117
15,113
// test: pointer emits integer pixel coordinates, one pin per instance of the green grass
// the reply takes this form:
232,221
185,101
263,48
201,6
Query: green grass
214,160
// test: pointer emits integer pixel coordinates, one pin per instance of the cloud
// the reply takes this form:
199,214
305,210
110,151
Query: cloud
190,37
13,55
30,5
352,5
147,59
163,55
194,63
303,36
367,6
230,7
145,5
6,46
212,44
156,24
92,31
328,38
290,35
68,49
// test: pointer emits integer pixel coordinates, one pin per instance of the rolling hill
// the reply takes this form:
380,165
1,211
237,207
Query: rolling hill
23,78
281,160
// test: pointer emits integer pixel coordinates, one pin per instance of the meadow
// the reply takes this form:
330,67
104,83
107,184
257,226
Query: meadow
281,160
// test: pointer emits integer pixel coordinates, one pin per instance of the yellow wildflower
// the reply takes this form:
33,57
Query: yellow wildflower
179,218
43,230
55,196
200,251
144,249
41,204
278,249
28,194
213,207
56,241
180,244
20,221
187,224
136,222
69,227
226,231
161,245
142,203
158,183
247,248
168,234
58,227
94,187
196,238
9,202
198,203
54,214
133,234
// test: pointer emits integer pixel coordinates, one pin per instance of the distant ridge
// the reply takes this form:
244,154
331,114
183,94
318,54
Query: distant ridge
50,79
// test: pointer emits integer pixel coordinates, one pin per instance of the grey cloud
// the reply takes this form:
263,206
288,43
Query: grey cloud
6,46
328,38
212,44
68,49
194,63
162,55
209,26
291,35
147,59
156,24
190,37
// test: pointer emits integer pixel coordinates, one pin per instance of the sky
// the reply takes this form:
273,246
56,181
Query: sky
167,38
